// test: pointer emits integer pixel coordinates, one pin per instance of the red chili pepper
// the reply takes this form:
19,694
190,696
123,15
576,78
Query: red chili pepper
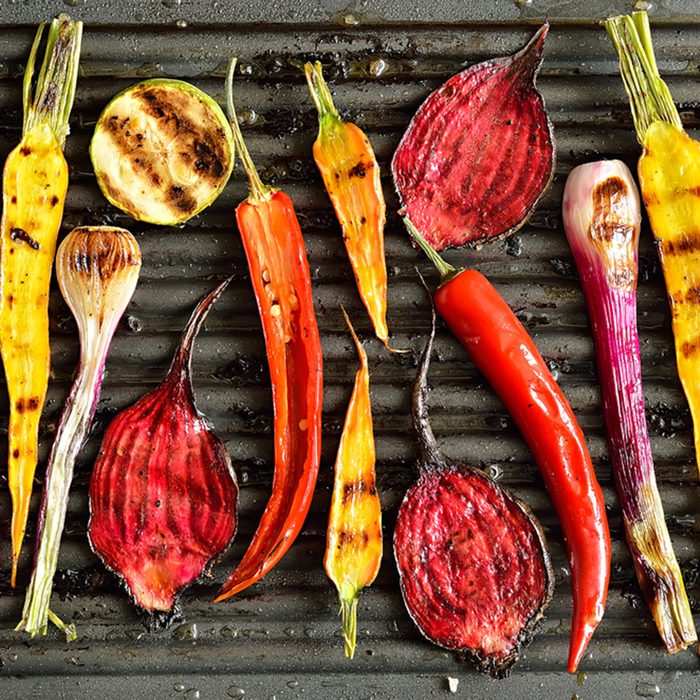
506,355
279,272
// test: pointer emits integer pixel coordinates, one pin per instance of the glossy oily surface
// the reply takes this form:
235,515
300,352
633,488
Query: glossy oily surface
500,347
479,153
163,494
473,564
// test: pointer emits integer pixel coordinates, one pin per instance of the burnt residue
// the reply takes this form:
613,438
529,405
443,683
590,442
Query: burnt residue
665,420
19,234
101,250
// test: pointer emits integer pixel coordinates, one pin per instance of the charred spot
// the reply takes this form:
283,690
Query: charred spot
25,150
13,199
693,295
354,487
155,178
363,220
201,165
31,404
19,234
15,453
690,347
345,538
359,170
54,201
181,199
686,243
608,199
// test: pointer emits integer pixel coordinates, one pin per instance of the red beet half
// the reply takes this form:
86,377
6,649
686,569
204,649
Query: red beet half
479,154
474,568
163,494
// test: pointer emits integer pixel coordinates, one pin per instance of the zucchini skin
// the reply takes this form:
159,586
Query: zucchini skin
162,151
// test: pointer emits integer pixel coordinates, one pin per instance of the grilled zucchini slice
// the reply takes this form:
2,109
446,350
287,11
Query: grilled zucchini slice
162,151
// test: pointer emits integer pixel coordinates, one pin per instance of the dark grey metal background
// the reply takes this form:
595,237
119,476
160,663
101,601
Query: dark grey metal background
281,637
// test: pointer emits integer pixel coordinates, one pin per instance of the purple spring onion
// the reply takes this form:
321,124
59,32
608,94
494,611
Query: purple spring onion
602,220
97,269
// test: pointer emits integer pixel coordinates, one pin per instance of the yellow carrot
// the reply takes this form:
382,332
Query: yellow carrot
354,542
669,175
350,172
35,181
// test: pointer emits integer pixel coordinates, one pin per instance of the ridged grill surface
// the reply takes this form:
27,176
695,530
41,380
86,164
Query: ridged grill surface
281,638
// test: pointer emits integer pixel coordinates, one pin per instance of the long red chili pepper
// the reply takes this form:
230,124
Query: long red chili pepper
506,355
279,272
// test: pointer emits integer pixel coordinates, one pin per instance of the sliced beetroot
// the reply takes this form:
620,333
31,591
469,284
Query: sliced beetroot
479,153
473,564
163,494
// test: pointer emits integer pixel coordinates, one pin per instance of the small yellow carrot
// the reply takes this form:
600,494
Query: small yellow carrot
669,176
35,181
350,173
354,542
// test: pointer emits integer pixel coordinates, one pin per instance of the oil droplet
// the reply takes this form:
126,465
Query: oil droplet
229,632
178,687
292,684
181,24
643,6
172,3
378,67
581,678
193,694
74,3
186,632
646,689
350,20
235,692
522,3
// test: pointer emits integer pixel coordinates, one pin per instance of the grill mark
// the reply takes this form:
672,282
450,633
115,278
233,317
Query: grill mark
686,243
19,234
690,347
198,144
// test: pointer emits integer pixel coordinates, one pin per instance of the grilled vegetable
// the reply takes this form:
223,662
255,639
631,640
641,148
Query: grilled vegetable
504,353
97,269
163,494
602,220
479,154
279,272
669,175
474,568
35,182
162,151
354,541
350,173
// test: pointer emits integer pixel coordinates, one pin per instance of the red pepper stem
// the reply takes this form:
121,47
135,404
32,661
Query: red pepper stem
258,190
182,361
447,271
320,93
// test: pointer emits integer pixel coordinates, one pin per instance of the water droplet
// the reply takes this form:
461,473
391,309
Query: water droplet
181,24
178,687
186,632
647,689
235,692
494,471
193,694
350,20
452,684
378,67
